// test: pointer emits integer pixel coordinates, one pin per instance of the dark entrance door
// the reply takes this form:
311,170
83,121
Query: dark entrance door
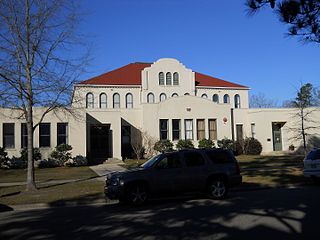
99,142
277,138
126,148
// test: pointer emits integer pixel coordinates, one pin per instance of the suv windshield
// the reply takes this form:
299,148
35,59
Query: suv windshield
150,162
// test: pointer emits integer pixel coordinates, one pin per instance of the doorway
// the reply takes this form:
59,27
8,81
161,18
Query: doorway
100,143
277,136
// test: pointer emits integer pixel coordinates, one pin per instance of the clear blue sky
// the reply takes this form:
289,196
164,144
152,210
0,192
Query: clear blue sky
213,37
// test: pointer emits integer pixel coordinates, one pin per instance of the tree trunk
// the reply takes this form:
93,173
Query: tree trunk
303,133
31,185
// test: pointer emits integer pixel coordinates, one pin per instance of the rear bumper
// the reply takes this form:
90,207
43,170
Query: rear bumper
235,181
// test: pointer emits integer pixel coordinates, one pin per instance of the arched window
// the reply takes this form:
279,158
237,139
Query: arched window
204,95
89,101
129,100
168,78
176,78
236,101
186,94
163,97
116,100
150,98
161,78
215,98
174,95
103,100
226,98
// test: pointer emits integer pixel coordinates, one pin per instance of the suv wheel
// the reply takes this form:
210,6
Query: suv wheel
217,189
137,194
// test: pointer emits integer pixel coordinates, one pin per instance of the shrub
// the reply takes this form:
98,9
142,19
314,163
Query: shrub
291,147
238,147
163,146
3,157
206,143
252,146
15,163
77,161
49,163
36,154
226,144
61,153
184,144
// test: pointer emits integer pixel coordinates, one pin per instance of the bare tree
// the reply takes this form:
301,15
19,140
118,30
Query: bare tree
37,38
261,101
137,143
303,116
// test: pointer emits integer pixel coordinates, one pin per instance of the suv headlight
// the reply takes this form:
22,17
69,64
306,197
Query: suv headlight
117,181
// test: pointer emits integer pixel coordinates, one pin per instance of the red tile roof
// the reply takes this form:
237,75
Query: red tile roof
131,75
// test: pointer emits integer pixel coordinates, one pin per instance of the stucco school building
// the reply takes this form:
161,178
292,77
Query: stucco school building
165,100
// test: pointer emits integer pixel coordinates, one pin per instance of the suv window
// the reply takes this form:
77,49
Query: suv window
220,156
193,159
169,161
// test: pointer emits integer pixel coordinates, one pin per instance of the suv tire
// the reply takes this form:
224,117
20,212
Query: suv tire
137,194
217,189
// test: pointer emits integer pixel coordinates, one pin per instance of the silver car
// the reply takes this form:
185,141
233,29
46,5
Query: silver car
311,165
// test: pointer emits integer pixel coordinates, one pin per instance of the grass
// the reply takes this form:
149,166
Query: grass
80,191
46,174
132,163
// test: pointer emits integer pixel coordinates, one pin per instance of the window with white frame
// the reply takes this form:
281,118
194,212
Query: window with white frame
8,135
24,135
212,124
103,100
176,128
129,100
89,100
62,133
150,98
163,125
116,100
176,78
226,98
253,130
161,78
204,95
188,126
237,101
44,135
163,97
201,133
168,78
215,98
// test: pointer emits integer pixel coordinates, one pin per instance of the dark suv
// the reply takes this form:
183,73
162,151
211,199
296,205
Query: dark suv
210,171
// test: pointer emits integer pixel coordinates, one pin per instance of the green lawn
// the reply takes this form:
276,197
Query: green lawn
46,174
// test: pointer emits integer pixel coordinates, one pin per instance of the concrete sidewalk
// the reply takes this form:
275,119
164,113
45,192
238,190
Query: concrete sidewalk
108,167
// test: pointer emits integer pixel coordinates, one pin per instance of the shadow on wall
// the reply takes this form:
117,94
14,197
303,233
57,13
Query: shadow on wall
313,141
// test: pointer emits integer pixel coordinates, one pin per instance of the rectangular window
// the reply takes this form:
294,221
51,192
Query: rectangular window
24,135
188,126
253,130
175,129
8,135
163,129
62,133
239,131
201,134
44,135
212,129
